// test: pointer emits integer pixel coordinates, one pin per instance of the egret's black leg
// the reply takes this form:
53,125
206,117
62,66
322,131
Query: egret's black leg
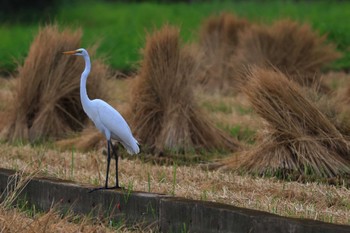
108,161
116,167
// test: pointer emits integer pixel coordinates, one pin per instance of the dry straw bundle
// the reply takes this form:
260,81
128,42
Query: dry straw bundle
294,49
218,39
47,99
166,116
88,139
299,138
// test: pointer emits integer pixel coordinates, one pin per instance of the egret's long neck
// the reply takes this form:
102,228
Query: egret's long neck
83,93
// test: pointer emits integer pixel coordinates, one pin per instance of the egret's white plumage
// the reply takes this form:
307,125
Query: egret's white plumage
112,125
108,120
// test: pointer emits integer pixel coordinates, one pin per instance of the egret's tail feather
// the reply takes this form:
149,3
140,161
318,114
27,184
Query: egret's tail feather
132,148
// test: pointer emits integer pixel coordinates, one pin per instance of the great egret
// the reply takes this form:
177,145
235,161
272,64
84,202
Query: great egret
108,120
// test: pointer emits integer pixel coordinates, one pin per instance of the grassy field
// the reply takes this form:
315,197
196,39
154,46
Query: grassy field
120,28
292,199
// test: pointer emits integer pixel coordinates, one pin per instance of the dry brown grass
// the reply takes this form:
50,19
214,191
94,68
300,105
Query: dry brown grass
302,200
293,48
89,139
298,137
46,99
165,114
337,102
5,99
218,39
26,220
15,221
334,106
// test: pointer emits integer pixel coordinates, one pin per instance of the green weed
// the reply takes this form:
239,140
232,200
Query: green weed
149,182
219,107
23,206
243,111
116,224
204,195
174,179
95,181
241,133
151,209
162,177
128,192
184,228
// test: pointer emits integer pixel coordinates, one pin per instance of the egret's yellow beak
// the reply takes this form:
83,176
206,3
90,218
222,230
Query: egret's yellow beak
70,52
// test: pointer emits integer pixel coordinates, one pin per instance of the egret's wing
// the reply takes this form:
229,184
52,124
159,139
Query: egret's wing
112,120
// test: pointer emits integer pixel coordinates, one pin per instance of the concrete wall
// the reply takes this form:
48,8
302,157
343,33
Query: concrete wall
163,212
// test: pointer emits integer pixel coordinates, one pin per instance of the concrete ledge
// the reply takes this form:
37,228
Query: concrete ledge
166,213
120,205
177,214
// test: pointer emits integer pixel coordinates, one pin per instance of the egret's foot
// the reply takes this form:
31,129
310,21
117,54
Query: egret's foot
116,187
96,189
105,188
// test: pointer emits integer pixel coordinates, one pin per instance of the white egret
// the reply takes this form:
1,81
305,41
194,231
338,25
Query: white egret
108,120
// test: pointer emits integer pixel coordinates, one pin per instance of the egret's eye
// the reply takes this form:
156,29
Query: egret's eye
79,51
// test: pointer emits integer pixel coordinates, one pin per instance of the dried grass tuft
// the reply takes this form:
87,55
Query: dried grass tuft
298,138
47,99
334,107
89,139
165,113
218,39
293,48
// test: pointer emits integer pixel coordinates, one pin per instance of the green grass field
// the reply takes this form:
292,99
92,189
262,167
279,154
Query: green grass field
121,28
